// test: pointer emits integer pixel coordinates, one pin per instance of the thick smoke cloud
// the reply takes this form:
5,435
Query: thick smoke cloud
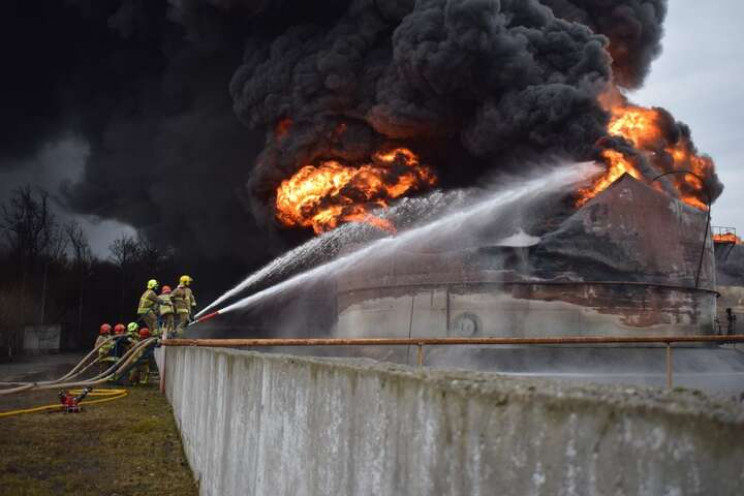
634,27
144,84
487,82
154,87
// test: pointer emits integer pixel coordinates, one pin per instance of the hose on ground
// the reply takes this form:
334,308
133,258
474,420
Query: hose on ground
105,395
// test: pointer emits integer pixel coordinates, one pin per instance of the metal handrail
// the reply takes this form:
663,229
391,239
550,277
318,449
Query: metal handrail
421,342
262,342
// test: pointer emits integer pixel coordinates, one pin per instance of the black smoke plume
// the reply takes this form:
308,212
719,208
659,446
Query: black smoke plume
144,84
159,88
468,84
634,28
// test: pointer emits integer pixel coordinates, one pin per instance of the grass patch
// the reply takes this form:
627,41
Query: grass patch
126,447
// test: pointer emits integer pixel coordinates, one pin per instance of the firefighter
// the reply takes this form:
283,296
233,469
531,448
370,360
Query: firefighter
104,332
140,373
184,302
147,310
119,329
107,353
132,330
167,312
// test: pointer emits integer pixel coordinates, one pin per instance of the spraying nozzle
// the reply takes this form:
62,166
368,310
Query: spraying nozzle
205,318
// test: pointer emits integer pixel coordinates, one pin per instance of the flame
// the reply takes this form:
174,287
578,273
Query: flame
643,128
729,238
636,124
329,194
618,166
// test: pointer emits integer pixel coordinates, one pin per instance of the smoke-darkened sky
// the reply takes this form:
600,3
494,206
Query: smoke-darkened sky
131,101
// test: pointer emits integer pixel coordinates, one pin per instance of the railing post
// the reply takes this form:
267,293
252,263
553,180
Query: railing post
420,354
669,382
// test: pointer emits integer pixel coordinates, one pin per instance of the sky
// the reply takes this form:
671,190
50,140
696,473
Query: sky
698,77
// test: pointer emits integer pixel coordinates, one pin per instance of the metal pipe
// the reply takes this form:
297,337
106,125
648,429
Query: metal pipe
237,343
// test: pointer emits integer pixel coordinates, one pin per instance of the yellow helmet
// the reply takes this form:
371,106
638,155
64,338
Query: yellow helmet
185,280
152,284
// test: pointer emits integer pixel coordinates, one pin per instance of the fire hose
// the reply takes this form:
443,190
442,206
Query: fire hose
105,396
120,366
74,371
204,318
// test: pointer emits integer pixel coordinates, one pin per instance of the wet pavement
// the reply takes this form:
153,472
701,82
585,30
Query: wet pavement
31,368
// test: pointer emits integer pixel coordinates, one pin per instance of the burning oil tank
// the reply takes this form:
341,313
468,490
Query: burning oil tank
631,261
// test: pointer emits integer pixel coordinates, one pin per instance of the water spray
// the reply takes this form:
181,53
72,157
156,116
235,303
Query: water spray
553,181
322,248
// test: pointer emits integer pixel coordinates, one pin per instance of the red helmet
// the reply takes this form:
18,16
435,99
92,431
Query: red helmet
166,289
119,329
144,333
105,329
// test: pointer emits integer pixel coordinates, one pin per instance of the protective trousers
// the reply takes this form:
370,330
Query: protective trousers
169,324
151,321
183,321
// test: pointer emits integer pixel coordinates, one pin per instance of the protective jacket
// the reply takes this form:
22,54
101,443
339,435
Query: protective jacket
183,299
148,299
166,305
105,353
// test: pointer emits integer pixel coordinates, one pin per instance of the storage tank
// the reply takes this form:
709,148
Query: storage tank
632,261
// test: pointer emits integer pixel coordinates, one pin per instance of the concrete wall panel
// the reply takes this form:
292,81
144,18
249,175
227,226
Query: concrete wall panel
265,424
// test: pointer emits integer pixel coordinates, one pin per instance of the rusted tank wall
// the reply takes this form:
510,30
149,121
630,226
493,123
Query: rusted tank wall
524,310
631,233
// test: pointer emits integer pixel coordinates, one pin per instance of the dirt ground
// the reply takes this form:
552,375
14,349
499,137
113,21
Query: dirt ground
128,446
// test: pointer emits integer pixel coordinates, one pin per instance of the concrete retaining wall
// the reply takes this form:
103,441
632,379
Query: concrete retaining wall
277,425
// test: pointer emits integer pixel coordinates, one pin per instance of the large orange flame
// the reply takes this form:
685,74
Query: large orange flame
618,166
329,194
642,127
727,238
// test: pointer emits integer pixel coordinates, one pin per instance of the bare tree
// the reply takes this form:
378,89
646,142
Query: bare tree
124,253
82,262
28,225
10,320
152,258
82,256
32,235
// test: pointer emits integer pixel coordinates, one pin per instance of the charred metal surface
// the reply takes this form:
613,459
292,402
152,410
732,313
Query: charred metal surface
624,263
630,233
